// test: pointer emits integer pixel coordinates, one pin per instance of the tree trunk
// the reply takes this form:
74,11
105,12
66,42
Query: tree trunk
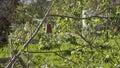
7,8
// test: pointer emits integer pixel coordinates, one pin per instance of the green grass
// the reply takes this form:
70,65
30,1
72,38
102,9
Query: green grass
102,54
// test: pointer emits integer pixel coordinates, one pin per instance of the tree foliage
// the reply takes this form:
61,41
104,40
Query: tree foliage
69,45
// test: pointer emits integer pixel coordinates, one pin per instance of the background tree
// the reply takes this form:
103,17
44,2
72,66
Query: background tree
7,8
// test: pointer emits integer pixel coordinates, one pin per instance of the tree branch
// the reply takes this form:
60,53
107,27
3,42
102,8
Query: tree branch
64,16
48,51
67,59
34,34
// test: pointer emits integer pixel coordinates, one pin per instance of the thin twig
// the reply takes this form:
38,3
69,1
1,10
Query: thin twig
72,17
67,59
102,11
93,39
34,34
89,42
47,51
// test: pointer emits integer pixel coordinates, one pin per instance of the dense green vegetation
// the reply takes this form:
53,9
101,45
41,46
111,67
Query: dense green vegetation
66,47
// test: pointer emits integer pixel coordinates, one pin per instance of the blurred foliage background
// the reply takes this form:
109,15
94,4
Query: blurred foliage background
69,45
